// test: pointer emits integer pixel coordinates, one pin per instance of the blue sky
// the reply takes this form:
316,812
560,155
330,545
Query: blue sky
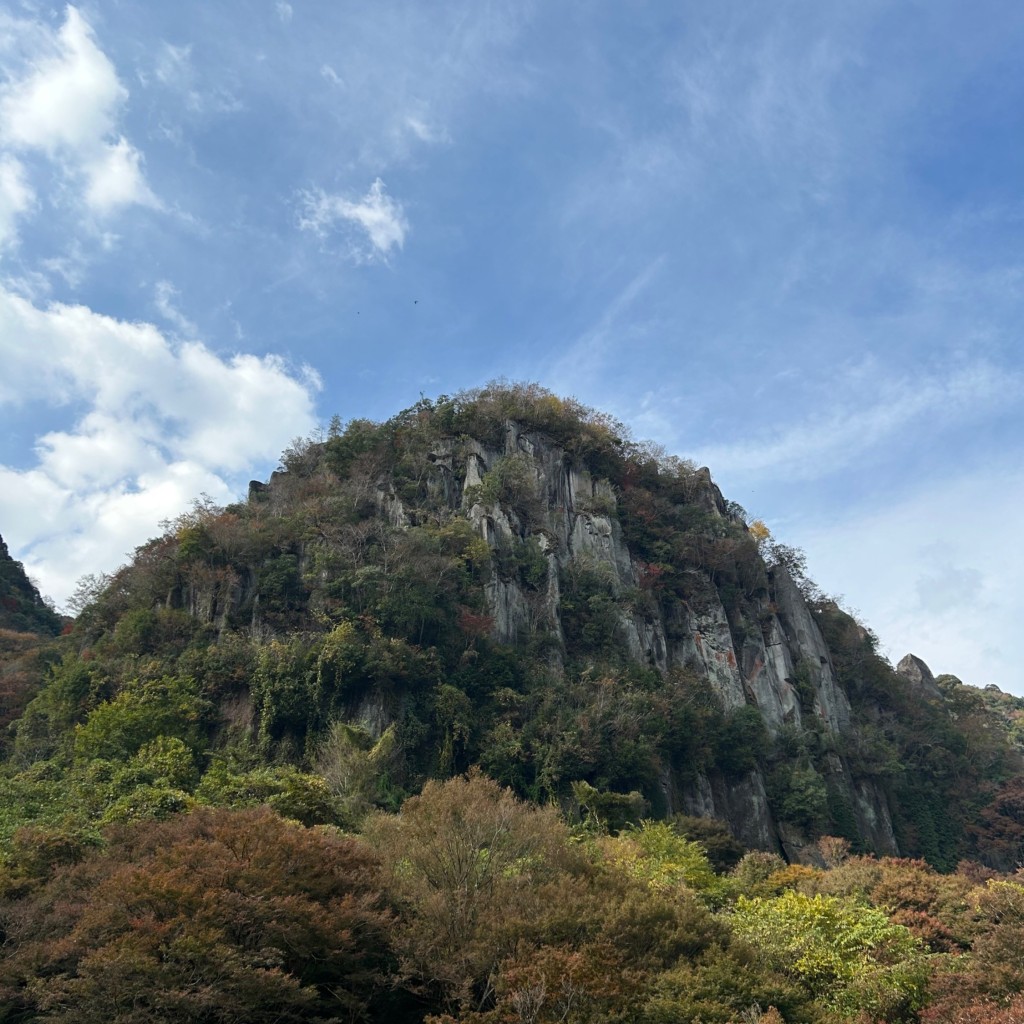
782,239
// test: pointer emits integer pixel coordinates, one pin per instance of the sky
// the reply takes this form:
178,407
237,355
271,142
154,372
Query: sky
784,240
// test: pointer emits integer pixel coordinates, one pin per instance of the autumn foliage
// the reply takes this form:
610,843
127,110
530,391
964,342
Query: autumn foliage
214,916
370,746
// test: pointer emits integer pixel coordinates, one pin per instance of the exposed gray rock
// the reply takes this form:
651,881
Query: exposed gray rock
475,468
874,820
806,642
783,667
595,540
392,507
510,610
920,677
767,676
743,804
796,847
708,649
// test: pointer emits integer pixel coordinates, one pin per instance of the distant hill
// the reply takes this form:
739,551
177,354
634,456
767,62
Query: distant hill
22,608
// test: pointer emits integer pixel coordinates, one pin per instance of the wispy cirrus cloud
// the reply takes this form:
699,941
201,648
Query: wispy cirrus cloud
772,95
332,76
424,131
201,94
863,415
165,297
585,358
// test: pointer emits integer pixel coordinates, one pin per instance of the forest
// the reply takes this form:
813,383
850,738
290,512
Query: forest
491,713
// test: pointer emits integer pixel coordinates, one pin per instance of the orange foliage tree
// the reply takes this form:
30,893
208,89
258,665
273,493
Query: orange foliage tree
214,916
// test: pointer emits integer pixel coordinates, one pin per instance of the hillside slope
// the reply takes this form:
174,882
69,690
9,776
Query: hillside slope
504,579
22,608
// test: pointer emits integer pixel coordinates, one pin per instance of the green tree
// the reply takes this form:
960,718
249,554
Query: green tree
657,854
142,711
849,955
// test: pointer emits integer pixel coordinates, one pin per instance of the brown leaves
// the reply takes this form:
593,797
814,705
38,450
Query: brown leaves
212,916
472,865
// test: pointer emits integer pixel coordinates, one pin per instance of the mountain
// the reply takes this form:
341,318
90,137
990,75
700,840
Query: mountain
22,609
504,578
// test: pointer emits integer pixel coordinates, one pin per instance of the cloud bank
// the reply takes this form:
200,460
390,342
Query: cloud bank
153,424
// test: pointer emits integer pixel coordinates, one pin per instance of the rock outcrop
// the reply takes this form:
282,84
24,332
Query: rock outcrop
920,677
781,667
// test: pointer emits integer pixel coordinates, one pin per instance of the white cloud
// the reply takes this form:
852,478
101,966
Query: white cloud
285,11
70,265
66,105
115,179
16,196
377,214
162,423
70,97
425,132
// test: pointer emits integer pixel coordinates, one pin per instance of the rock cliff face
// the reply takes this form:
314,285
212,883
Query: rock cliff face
761,650
529,592
772,658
